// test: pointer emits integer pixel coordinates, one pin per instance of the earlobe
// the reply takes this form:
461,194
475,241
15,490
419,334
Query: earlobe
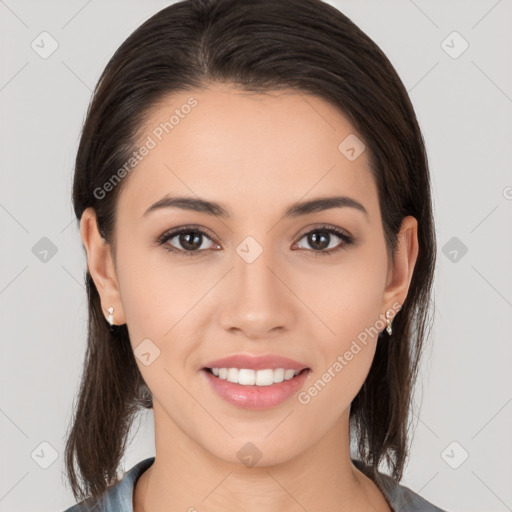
403,264
100,265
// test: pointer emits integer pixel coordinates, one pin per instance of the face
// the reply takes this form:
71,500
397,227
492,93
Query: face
312,286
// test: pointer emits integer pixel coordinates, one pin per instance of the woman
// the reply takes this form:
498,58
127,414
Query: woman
254,200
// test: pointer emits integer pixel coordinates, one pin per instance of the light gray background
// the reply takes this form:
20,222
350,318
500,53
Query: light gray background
464,106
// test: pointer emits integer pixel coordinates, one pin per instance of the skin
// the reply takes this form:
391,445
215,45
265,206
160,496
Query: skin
256,155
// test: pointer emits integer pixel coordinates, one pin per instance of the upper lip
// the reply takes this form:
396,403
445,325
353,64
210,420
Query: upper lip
269,361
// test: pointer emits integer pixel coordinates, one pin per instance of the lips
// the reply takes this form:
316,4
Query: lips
257,391
263,362
256,397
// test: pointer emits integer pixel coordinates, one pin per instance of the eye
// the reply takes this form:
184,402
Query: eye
191,240
321,238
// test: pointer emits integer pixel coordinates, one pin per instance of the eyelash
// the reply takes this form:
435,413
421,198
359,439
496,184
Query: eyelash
168,235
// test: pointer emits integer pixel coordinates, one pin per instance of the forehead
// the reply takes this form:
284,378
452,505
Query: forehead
247,150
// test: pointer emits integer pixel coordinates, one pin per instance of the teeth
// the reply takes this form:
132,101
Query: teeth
248,377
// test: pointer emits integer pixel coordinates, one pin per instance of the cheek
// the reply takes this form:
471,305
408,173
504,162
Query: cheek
155,294
330,391
349,307
345,355
162,308
348,298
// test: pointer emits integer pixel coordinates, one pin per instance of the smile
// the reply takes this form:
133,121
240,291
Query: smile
255,389
249,377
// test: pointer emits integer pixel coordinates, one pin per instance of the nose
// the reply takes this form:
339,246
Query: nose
259,302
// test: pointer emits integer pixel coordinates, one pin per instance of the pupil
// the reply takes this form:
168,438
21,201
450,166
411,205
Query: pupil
319,241
187,243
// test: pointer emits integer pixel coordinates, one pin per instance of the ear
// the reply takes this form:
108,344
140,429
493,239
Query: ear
101,266
402,267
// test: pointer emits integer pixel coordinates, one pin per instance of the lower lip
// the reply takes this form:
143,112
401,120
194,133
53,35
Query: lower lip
256,397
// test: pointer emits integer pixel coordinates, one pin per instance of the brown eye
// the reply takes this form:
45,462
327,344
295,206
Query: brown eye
191,241
320,239
187,241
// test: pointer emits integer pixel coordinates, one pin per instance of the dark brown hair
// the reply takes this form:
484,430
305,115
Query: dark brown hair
258,46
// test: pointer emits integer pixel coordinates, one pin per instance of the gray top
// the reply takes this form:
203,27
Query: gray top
119,497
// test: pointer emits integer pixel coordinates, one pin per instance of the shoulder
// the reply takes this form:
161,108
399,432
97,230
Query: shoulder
403,499
400,497
118,497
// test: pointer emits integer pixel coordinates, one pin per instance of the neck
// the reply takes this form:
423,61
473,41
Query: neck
184,476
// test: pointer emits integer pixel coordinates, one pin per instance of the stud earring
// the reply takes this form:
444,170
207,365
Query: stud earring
389,322
110,318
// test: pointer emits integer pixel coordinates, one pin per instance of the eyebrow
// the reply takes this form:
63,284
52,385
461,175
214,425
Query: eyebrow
295,210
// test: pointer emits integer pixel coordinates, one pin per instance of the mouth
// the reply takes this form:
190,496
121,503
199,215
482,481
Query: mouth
250,377
247,388
257,382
